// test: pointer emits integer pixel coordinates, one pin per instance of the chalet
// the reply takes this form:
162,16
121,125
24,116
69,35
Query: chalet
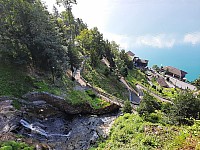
174,72
140,63
161,81
130,54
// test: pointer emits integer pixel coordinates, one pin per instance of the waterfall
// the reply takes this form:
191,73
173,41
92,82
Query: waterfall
34,128
40,131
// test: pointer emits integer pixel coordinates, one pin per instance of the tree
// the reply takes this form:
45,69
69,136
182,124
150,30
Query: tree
124,71
197,83
148,105
28,34
186,107
127,107
155,67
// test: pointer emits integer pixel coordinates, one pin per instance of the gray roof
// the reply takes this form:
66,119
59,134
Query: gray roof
175,71
130,53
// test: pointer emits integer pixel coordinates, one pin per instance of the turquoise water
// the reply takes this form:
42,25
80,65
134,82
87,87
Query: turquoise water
185,58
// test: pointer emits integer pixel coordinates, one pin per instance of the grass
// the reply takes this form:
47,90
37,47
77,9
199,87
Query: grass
81,97
108,83
136,76
13,81
12,145
130,131
169,93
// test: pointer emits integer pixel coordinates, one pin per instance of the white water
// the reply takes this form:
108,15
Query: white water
40,130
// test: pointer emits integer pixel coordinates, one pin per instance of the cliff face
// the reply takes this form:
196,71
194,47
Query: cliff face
66,107
46,120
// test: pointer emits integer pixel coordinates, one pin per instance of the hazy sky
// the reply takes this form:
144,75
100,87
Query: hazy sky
166,32
143,23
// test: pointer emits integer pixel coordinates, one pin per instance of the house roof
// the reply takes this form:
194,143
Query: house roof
175,71
130,53
143,61
162,82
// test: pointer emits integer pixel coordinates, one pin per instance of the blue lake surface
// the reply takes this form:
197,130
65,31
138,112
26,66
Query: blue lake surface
186,58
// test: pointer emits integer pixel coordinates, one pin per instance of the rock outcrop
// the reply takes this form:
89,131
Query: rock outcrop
63,105
53,116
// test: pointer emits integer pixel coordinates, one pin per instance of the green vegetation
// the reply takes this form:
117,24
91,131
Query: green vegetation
36,49
186,108
127,107
136,76
169,93
132,132
197,83
157,125
108,83
12,145
13,80
81,97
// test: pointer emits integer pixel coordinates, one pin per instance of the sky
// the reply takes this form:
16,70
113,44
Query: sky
153,29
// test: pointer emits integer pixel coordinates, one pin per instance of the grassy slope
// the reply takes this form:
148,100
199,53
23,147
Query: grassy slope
132,132
136,76
109,84
14,81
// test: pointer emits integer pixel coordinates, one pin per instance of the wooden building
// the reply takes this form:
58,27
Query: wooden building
174,72
140,63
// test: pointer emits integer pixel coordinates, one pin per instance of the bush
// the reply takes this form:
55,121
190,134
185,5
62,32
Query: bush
127,107
148,105
154,87
91,94
12,145
186,108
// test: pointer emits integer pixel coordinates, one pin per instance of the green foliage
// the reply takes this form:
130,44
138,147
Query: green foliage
136,76
12,145
124,71
131,132
197,83
155,67
148,105
13,80
28,36
109,83
91,93
81,97
16,104
127,107
186,106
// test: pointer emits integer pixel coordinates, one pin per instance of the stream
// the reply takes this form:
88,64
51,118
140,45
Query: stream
62,131
44,123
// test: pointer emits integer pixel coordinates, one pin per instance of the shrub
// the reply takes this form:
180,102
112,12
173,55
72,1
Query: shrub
186,106
91,94
148,105
127,107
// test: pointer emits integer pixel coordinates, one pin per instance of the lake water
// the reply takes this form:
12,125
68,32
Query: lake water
184,58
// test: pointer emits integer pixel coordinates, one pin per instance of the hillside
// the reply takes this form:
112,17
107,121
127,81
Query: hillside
131,132
64,86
